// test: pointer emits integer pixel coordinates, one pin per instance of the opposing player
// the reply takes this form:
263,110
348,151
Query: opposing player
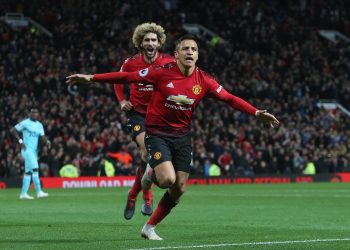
148,38
178,89
32,130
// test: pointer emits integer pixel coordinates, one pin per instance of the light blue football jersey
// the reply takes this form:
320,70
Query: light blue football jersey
31,131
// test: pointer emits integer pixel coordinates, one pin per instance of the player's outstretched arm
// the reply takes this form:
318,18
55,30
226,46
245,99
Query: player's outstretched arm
113,77
264,116
238,103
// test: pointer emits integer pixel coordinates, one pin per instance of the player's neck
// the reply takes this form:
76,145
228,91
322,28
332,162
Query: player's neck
150,60
184,70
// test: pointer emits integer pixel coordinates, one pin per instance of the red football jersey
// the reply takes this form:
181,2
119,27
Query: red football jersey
140,92
175,96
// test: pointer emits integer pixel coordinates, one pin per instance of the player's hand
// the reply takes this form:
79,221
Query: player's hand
264,116
126,105
79,78
21,143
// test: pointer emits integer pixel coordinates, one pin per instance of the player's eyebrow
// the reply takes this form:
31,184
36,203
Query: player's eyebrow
187,47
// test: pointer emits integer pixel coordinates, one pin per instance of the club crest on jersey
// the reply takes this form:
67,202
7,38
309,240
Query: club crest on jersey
197,89
137,128
180,99
157,155
143,72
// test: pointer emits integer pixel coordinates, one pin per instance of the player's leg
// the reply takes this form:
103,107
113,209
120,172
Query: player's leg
25,186
33,160
166,176
160,170
182,158
136,128
36,180
26,177
147,204
169,200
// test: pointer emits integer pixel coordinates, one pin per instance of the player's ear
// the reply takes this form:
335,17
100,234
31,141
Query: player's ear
176,54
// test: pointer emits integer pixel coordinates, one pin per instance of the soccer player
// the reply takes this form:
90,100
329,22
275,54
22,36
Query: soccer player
32,130
178,89
148,38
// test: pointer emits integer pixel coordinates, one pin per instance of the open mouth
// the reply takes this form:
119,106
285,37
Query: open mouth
189,59
150,50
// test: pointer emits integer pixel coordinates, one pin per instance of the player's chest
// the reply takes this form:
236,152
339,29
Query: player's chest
32,131
181,90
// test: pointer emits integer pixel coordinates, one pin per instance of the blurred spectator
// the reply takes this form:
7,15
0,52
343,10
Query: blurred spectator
123,161
226,162
214,170
310,168
106,168
69,171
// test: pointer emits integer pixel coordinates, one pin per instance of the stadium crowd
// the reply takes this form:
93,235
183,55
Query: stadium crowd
271,55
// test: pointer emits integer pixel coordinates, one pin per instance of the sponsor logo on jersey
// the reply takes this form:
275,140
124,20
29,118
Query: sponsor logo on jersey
197,89
144,87
137,127
170,85
143,72
178,107
181,99
157,155
219,89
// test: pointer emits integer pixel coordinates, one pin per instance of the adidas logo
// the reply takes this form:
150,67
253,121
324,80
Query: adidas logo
170,85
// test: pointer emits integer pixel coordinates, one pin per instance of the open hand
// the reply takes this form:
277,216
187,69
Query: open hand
264,116
126,105
79,78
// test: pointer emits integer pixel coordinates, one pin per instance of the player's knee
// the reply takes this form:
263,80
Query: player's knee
166,182
35,170
181,187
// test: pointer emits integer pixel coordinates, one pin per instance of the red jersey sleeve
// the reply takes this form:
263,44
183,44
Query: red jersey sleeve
217,91
119,88
148,75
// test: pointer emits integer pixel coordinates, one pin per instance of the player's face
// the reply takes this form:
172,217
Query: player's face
187,53
34,114
150,45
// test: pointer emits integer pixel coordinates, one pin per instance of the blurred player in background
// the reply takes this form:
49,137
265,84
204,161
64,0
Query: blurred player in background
32,130
178,89
148,38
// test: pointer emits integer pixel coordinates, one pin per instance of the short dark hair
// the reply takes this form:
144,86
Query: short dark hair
33,108
185,37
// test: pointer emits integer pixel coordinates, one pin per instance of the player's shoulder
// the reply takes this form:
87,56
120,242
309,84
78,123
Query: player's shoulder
166,66
133,59
166,58
21,123
25,121
40,124
205,75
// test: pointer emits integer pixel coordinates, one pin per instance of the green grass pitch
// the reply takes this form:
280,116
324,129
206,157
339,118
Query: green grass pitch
276,216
